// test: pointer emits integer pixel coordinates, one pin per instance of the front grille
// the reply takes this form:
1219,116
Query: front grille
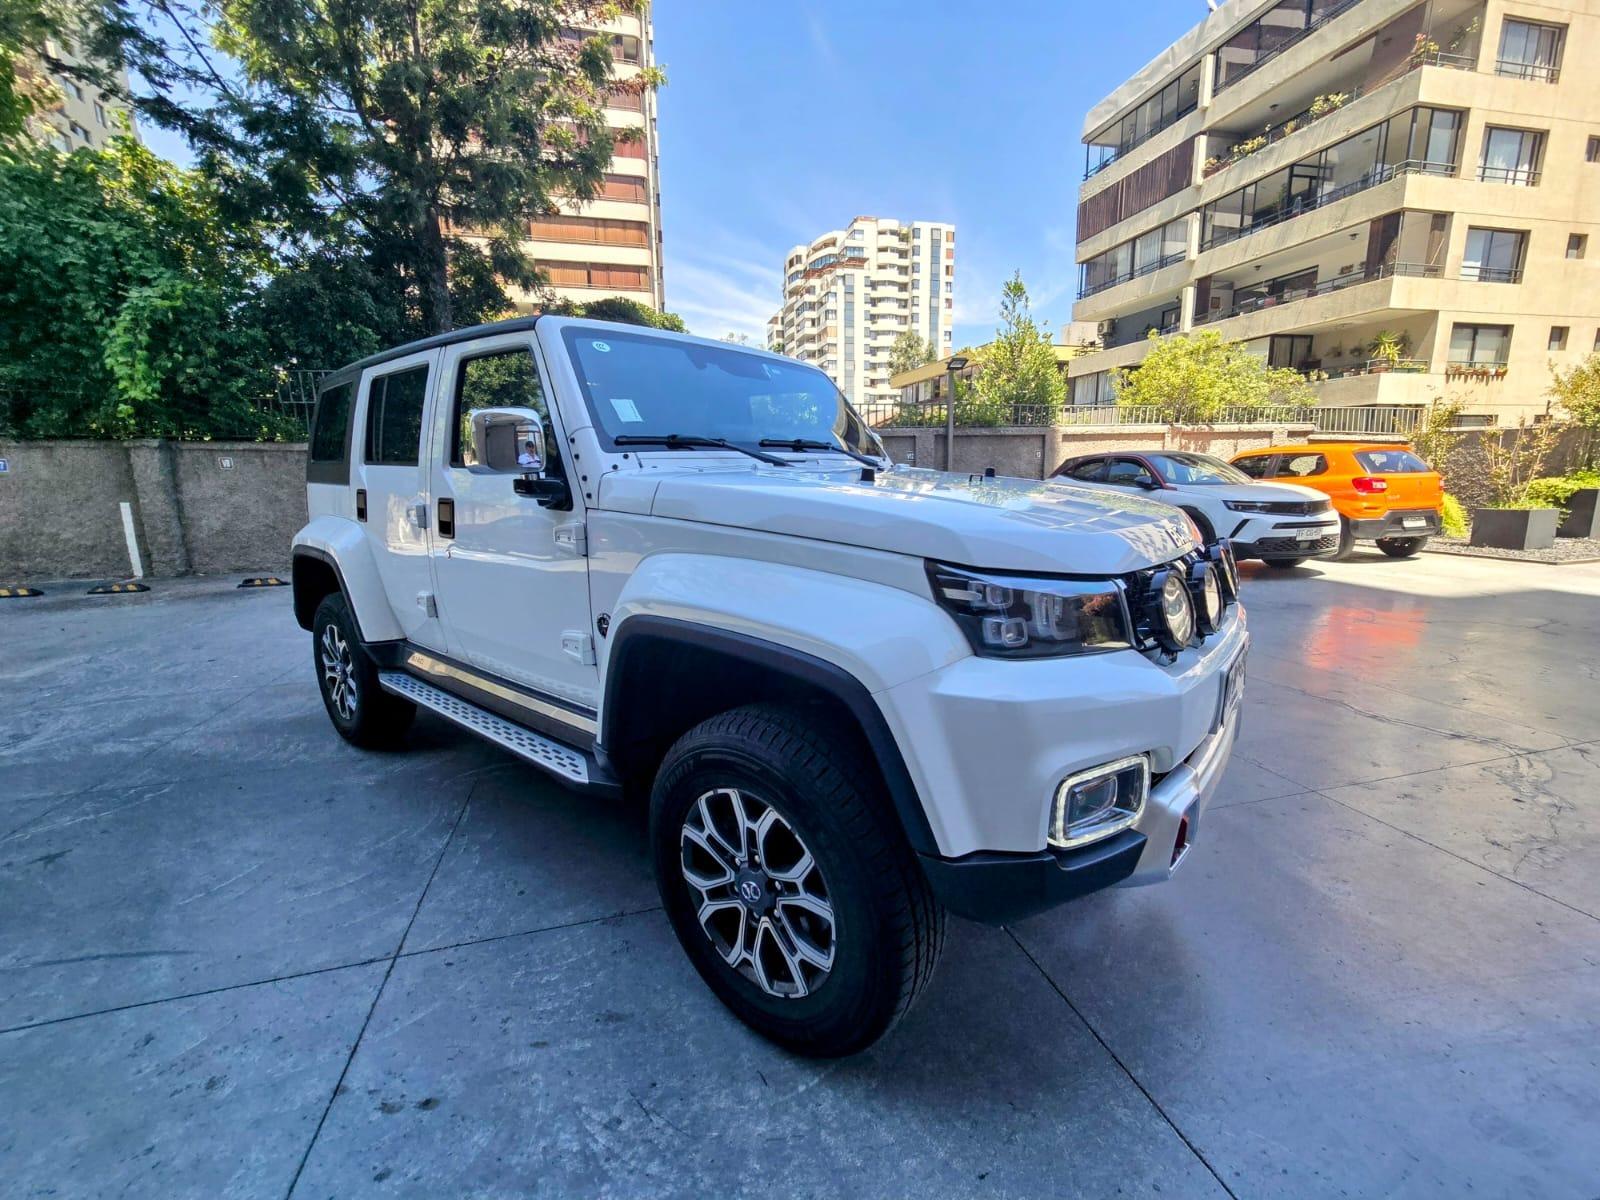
1294,546
1298,508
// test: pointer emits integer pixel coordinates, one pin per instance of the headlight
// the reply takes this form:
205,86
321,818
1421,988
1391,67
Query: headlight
1096,803
1011,616
1207,593
1174,624
1255,506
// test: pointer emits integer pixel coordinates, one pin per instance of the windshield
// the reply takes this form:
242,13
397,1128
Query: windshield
639,384
1196,468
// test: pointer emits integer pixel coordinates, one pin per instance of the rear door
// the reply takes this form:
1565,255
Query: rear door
1412,482
391,488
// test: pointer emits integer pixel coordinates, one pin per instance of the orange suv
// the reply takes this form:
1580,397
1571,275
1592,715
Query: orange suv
1382,493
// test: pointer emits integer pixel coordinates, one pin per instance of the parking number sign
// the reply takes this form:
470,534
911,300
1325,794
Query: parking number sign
5,466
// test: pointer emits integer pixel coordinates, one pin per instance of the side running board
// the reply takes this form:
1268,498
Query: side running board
564,762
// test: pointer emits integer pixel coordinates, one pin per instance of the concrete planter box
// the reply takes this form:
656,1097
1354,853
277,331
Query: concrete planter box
1515,528
1583,515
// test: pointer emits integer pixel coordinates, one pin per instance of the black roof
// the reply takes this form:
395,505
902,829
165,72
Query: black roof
430,343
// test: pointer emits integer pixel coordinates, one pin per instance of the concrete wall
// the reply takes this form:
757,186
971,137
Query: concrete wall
1033,453
197,507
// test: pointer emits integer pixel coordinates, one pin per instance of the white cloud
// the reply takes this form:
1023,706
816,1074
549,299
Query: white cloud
718,293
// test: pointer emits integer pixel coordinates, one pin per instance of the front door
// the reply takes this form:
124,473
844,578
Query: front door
513,580
391,489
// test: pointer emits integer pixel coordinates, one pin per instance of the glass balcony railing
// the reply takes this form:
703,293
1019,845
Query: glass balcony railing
1338,283
1150,268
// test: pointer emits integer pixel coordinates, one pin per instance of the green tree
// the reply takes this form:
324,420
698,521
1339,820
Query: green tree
429,133
1577,390
1019,381
619,308
909,351
1190,379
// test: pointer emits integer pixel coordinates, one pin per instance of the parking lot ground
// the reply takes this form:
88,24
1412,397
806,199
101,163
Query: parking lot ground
240,958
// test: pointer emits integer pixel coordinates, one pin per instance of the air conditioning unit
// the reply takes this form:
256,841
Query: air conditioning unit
1107,328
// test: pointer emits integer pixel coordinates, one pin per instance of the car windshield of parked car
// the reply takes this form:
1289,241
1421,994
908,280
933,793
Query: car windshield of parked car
646,386
1391,462
1196,468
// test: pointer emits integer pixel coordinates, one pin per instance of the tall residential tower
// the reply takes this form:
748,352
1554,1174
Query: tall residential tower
849,294
1401,196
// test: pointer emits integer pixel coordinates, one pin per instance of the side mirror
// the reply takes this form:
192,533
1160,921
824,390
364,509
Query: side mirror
1149,485
508,440
550,493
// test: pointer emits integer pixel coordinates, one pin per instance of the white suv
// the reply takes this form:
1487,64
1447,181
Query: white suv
857,696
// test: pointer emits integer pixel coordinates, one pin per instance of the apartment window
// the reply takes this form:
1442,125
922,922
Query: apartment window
1149,252
1480,345
72,88
628,101
1281,27
624,187
631,148
1511,156
599,231
1169,105
1530,51
1577,245
1592,153
100,114
82,134
1597,339
597,275
1558,337
1494,255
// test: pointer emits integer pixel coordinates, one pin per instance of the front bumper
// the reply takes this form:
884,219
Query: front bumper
1395,524
1281,537
992,741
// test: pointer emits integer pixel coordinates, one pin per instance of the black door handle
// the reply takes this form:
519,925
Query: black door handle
447,518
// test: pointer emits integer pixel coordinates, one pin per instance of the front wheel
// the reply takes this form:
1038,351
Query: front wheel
1347,541
362,712
788,882
1401,547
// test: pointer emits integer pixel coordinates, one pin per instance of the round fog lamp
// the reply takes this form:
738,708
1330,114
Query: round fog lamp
1207,588
1175,610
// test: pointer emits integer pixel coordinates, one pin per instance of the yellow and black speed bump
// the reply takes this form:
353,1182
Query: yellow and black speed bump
116,589
264,581
18,593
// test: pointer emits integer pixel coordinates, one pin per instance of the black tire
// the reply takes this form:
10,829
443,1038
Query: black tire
886,930
1207,533
1402,547
1283,564
365,715
1347,542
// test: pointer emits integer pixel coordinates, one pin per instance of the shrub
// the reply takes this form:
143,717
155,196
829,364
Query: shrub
1555,491
1453,518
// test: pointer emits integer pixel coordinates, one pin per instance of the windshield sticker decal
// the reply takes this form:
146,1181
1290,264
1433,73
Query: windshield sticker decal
627,411
603,347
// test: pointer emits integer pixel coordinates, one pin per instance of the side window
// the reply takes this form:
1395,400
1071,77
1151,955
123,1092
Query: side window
1088,471
394,418
1257,466
504,379
332,423
1303,465
1128,472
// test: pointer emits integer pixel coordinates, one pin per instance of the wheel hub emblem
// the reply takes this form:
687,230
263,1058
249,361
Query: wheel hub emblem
750,891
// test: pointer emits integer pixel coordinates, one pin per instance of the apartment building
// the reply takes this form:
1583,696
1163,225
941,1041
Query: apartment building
611,245
80,114
1400,199
850,293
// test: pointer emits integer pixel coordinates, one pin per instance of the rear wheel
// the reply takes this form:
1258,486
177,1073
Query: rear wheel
1347,541
360,710
1282,564
1401,547
788,883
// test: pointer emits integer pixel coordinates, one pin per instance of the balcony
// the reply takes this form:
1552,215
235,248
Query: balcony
1123,150
1149,268
1473,273
1525,70
1516,176
1336,284
1292,40
1302,205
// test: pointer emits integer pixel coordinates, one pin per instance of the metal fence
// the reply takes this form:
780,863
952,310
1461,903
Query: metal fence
296,397
1373,419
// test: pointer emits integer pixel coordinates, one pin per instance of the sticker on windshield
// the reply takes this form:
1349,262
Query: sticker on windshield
603,347
627,411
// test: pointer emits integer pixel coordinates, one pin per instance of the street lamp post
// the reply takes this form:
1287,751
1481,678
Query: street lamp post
954,366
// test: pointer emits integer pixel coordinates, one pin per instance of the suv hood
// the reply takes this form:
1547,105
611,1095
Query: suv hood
995,524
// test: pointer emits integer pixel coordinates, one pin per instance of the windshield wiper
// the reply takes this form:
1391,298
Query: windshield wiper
677,441
801,444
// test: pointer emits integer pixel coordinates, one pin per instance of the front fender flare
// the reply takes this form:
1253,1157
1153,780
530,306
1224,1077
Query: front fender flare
342,544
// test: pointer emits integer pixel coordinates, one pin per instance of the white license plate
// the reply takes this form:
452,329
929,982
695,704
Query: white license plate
1414,522
1309,535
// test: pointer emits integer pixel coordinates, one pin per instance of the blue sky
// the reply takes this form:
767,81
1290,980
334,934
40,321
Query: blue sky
972,114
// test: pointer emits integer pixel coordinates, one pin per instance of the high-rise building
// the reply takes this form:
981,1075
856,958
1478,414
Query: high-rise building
849,294
1396,198
79,114
611,245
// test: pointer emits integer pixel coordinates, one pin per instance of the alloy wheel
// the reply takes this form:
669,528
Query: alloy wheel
338,672
761,897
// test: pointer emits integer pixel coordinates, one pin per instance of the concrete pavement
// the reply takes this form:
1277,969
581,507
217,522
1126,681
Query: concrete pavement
240,958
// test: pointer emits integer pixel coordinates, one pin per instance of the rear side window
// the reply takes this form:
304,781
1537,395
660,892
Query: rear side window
332,423
1258,466
394,418
1391,462
1302,465
1090,470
